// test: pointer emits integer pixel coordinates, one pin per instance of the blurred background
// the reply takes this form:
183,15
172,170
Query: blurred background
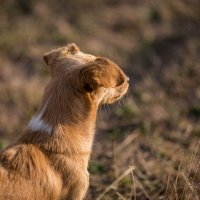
156,127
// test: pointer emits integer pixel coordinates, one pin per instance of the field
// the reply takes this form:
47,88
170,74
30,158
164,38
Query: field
147,145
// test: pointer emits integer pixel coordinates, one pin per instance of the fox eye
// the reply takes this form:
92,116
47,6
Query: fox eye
120,80
88,88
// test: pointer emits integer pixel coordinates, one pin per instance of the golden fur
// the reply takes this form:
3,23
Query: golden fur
50,159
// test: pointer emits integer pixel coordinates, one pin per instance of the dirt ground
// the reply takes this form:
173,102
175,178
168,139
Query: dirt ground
147,145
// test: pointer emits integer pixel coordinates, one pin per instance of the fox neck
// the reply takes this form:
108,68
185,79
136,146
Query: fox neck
64,123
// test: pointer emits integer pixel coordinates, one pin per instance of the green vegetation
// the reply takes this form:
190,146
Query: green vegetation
1,145
96,168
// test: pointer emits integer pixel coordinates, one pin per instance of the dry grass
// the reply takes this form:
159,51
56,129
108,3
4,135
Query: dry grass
156,128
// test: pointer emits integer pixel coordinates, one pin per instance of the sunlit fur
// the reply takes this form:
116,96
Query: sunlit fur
50,159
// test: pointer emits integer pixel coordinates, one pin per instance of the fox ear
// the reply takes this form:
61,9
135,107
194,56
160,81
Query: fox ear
50,59
54,55
47,58
97,74
72,48
60,59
